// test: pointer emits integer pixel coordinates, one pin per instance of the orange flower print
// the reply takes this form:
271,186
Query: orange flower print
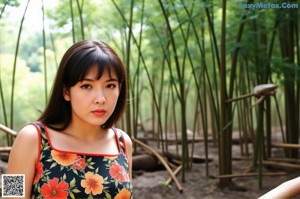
118,172
62,158
38,172
55,190
110,157
123,194
79,163
92,183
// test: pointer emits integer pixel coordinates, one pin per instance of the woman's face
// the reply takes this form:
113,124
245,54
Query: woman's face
93,101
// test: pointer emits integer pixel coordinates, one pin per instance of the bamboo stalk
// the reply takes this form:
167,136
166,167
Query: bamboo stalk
5,149
149,149
143,61
3,102
238,175
181,94
14,69
73,22
285,145
80,8
44,55
138,90
280,164
175,173
8,130
290,160
3,8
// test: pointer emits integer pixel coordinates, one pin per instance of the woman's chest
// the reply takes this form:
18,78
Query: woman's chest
70,175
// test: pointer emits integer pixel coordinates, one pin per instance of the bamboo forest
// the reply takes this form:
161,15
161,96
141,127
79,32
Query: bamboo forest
213,86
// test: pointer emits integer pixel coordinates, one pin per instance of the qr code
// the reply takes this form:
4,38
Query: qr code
13,185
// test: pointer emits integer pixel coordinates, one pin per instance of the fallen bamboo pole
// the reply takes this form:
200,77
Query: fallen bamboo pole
281,164
288,160
175,173
248,175
285,145
8,130
5,149
149,149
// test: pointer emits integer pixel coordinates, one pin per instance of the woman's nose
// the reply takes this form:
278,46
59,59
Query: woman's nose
100,97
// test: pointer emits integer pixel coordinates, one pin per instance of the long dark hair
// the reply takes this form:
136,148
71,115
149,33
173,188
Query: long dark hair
73,67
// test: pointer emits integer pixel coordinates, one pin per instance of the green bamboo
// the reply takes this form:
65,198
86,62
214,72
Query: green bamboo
213,85
181,94
194,129
174,118
186,55
44,55
163,135
136,94
166,58
166,111
80,9
8,138
54,50
143,62
14,70
2,10
270,51
199,99
3,102
73,22
127,61
224,156
260,141
287,46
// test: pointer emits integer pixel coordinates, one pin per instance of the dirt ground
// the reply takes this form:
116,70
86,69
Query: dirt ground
151,185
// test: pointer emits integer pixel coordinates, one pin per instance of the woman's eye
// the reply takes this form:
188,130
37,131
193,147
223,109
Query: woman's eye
85,86
111,86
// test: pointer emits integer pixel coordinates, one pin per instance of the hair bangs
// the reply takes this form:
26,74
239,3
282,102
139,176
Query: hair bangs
94,58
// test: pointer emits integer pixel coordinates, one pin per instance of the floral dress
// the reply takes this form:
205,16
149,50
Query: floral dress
61,174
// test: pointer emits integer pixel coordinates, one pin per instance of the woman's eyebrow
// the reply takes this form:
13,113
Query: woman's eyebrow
112,80
108,80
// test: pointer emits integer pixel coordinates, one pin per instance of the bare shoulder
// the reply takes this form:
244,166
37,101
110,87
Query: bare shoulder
126,137
25,143
26,138
28,133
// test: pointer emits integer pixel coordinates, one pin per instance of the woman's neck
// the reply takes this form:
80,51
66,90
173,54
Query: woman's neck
85,131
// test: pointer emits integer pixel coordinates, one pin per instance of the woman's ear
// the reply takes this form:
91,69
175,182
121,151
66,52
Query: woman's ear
66,94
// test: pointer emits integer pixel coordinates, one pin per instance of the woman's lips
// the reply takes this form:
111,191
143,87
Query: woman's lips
99,112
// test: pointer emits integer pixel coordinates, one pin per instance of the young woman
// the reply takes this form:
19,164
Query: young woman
73,150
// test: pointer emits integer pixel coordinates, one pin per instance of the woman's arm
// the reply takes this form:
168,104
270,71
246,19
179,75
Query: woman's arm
287,189
23,156
128,146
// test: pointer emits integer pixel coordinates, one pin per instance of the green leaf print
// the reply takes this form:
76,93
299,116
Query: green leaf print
90,196
72,183
53,165
64,177
107,195
75,171
90,167
76,190
71,195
